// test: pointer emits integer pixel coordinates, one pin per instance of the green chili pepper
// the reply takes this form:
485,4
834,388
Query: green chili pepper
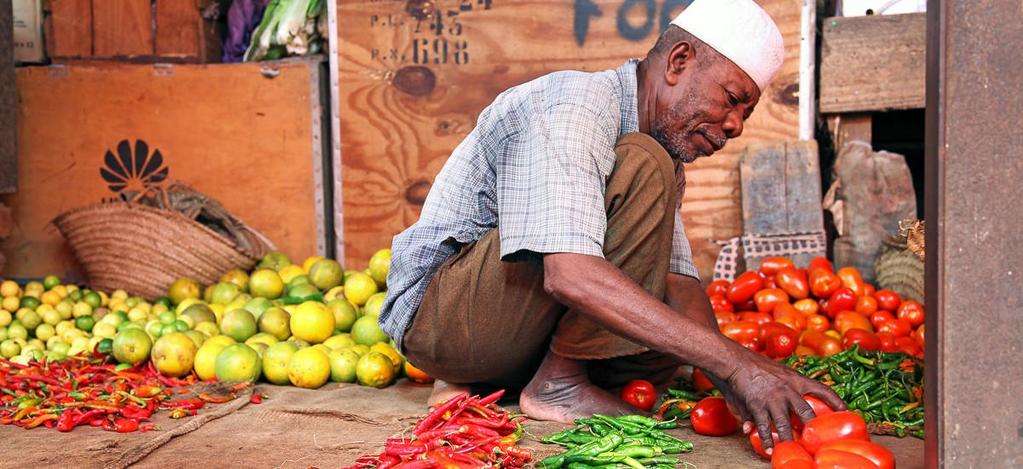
639,420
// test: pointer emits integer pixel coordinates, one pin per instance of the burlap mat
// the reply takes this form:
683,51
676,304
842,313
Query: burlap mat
326,428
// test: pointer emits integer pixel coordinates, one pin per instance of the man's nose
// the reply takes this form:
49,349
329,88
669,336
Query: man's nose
733,124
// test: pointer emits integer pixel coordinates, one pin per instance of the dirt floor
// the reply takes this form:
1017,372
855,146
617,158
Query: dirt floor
325,428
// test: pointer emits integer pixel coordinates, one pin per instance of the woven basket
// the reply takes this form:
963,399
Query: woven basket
142,249
900,267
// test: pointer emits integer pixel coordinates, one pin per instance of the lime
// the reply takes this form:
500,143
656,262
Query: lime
374,304
276,322
168,317
239,324
207,327
391,353
359,287
206,357
379,266
344,314
312,322
168,329
45,331
325,274
237,277
304,292
309,368
50,281
31,320
182,289
265,283
339,342
288,273
9,288
181,326
198,312
238,362
366,331
342,365
163,300
29,302
132,346
375,370
93,299
258,306
261,338
224,293
5,318
198,338
9,348
85,323
359,349
173,354
274,260
275,362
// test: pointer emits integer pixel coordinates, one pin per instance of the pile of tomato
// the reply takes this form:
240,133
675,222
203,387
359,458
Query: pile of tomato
781,309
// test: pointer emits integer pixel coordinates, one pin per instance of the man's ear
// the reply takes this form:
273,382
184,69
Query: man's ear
680,56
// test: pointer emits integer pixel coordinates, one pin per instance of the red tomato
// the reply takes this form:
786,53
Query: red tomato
865,339
767,299
823,283
880,317
819,407
802,350
911,312
812,338
724,317
771,327
887,342
829,346
720,303
896,327
875,453
759,318
747,306
742,331
820,262
788,315
833,426
744,287
640,393
817,322
786,453
701,381
796,464
908,346
851,279
772,264
843,299
846,320
780,343
794,282
888,300
868,290
770,283
866,305
832,459
807,306
718,287
754,439
712,417
919,336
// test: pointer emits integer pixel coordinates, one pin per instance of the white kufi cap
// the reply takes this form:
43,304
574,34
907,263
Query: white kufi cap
739,30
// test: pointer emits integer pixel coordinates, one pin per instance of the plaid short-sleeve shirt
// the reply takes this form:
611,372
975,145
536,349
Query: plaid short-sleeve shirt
534,167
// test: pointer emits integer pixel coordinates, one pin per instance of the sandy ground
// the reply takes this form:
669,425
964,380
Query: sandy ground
326,428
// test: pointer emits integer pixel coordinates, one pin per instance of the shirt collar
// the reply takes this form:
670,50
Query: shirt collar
630,91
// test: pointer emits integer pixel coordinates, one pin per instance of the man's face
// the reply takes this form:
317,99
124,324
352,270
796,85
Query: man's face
704,109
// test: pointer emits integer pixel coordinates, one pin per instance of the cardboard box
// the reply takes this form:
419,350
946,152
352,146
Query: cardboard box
248,135
28,31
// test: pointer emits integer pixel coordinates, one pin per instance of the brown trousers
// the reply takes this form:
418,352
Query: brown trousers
484,320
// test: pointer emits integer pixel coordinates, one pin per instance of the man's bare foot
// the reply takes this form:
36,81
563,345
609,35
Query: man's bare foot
561,392
443,391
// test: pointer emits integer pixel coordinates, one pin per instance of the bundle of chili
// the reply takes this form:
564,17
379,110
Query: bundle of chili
462,432
631,441
886,389
86,390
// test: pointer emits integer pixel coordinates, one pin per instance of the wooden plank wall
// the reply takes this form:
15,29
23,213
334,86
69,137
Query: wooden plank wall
873,63
122,28
242,133
69,28
415,75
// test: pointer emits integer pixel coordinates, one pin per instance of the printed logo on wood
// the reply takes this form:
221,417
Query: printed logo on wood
133,168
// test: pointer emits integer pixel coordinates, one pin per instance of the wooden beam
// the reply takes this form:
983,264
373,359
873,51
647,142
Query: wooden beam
122,28
873,63
69,29
177,28
8,132
846,128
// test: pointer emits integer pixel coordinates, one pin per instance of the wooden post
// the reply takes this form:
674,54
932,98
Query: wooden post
8,166
974,243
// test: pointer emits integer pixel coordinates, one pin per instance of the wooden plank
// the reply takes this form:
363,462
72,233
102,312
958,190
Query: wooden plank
847,128
233,131
781,192
122,28
873,63
69,29
8,165
178,28
396,133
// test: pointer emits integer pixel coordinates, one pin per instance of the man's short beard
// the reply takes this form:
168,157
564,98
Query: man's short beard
676,142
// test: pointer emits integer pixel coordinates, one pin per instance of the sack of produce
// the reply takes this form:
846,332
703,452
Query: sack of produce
900,267
148,239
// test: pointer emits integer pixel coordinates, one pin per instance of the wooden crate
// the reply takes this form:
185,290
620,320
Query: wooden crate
415,75
136,30
249,135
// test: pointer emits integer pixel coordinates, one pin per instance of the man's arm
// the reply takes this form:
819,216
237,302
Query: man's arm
685,295
597,288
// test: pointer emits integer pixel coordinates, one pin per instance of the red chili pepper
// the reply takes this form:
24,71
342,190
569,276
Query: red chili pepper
136,413
477,431
257,398
493,398
387,461
521,453
122,425
35,422
417,464
146,428
67,420
147,391
429,422
215,399
185,404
